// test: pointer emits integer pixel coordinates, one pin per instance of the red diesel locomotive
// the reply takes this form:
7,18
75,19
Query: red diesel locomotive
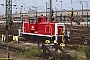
40,30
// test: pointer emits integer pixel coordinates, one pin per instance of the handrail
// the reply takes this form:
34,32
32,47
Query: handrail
49,28
62,30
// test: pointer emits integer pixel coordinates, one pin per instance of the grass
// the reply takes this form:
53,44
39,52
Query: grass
75,56
78,54
87,52
34,52
83,53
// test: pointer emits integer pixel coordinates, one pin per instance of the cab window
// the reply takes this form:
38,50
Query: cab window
31,21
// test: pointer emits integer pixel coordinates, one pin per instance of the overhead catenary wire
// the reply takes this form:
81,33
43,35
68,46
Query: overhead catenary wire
67,6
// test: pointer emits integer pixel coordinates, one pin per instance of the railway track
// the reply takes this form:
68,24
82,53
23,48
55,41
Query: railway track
14,48
56,52
4,45
79,35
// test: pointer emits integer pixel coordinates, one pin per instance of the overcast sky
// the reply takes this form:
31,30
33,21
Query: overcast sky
66,4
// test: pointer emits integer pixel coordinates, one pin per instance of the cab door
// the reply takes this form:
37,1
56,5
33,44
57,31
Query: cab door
59,27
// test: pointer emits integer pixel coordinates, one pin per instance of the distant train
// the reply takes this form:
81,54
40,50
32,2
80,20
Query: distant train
40,30
15,21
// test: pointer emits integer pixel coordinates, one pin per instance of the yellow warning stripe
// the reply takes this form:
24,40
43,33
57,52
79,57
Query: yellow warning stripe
6,59
63,39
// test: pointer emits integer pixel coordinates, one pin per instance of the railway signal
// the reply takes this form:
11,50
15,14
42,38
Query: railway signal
72,14
50,10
